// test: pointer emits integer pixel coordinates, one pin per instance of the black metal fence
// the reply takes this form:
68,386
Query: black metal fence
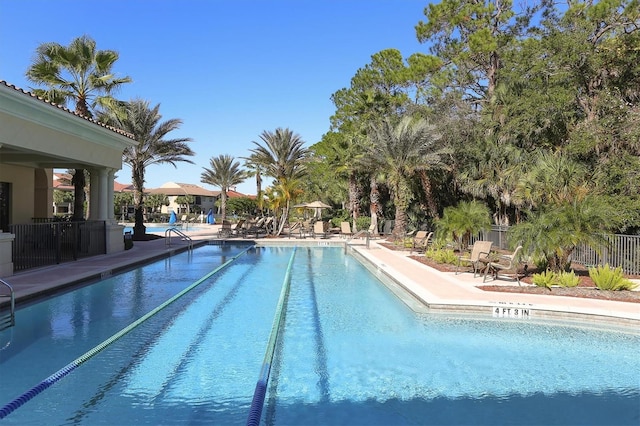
620,250
42,244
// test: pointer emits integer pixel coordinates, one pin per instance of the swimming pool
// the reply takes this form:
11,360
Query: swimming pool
351,352
162,229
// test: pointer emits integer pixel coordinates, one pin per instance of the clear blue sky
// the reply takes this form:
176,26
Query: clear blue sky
228,69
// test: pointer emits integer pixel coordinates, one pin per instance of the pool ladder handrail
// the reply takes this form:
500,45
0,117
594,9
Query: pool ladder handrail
9,320
364,232
182,235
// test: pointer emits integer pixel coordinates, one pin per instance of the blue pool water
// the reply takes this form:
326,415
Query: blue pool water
351,353
163,229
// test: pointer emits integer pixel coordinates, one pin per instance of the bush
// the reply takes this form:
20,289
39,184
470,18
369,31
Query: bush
568,279
363,223
545,279
442,255
606,278
549,278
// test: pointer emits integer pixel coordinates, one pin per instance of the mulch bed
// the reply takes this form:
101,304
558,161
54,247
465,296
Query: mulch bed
586,288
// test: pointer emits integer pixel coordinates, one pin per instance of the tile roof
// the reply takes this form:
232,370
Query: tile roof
27,93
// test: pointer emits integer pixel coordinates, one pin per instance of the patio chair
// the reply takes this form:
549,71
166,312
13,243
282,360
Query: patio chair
373,231
236,229
503,264
478,257
225,229
421,241
254,228
320,230
345,229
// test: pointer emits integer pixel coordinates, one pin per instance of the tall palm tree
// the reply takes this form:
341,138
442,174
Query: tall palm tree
144,124
80,74
224,173
256,170
402,148
282,156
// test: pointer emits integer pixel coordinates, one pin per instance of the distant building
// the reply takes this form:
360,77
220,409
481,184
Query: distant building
62,182
204,199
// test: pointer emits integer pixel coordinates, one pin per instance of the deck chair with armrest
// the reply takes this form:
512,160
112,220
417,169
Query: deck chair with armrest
504,264
320,229
225,229
254,228
478,257
345,229
421,241
236,228
373,231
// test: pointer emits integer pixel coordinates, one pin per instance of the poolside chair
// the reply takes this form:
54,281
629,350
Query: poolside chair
292,229
478,257
261,228
320,230
236,228
225,229
345,229
421,241
503,264
254,228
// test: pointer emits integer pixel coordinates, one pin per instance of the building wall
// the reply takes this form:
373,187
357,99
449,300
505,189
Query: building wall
22,182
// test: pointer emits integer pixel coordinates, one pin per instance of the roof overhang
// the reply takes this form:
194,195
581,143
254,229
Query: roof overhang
36,133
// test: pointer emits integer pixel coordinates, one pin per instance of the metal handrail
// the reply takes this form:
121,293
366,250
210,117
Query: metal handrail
183,236
364,232
9,321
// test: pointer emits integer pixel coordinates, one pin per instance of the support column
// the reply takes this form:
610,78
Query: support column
111,173
103,194
94,194
114,232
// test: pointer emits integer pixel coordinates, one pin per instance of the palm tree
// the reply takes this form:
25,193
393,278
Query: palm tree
224,173
495,174
554,233
402,148
144,124
283,158
459,223
256,170
344,152
80,74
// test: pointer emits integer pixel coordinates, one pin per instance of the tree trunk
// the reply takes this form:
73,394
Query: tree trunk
139,230
374,203
223,203
78,193
428,193
354,199
401,201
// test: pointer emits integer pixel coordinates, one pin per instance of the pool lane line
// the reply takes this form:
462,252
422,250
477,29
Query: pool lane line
90,403
321,350
46,383
260,392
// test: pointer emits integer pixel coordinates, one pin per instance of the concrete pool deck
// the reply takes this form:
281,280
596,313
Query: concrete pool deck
440,291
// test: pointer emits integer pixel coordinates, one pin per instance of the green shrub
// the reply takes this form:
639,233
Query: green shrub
545,279
606,278
568,279
442,255
363,223
541,263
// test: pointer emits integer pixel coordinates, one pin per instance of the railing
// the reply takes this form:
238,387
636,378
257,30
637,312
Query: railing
42,244
364,232
9,319
182,235
620,250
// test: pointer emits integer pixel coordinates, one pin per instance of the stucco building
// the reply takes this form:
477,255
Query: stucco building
36,137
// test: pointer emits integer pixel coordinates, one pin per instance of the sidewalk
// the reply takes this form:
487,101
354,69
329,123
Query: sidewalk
443,292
